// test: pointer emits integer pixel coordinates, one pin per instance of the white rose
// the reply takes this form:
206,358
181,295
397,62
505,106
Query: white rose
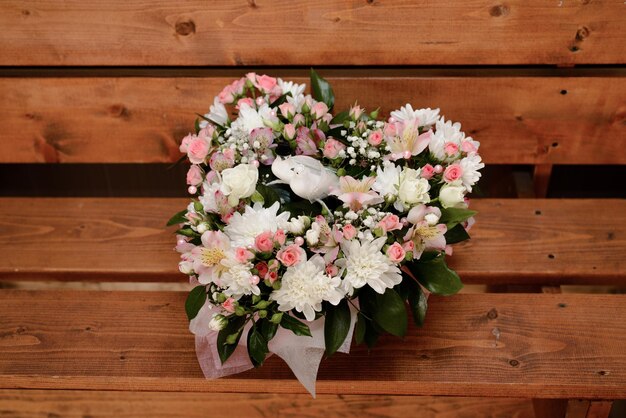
413,189
239,182
452,195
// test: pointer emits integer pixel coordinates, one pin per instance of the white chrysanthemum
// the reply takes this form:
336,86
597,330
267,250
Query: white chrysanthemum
426,117
305,286
387,179
217,113
365,264
248,119
470,165
244,228
445,132
237,279
291,87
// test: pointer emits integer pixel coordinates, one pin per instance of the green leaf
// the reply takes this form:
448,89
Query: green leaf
195,301
234,327
359,329
390,313
268,328
257,347
295,326
302,208
321,90
336,326
340,118
436,276
282,99
178,218
418,303
454,216
456,234
270,196
371,334
188,232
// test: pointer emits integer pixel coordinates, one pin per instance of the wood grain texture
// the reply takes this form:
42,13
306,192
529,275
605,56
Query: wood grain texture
515,241
101,404
516,345
355,32
518,120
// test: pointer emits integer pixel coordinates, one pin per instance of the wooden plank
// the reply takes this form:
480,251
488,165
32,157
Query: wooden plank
259,32
102,404
519,120
515,241
516,345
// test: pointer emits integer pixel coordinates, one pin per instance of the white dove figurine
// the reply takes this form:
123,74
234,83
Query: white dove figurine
306,176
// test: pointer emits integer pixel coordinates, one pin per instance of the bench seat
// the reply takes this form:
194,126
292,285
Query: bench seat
515,241
496,345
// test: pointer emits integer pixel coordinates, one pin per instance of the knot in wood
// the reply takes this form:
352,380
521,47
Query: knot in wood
185,28
582,33
492,314
499,10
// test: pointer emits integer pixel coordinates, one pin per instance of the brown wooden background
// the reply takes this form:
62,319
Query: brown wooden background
539,83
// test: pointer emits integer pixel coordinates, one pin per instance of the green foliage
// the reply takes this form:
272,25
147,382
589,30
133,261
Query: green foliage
454,216
336,326
228,337
321,90
178,218
195,301
456,234
390,313
436,276
295,326
257,346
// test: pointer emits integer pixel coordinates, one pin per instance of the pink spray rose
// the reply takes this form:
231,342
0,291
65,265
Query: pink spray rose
291,255
390,223
198,150
427,171
375,138
229,305
264,242
349,231
452,173
194,175
395,252
332,148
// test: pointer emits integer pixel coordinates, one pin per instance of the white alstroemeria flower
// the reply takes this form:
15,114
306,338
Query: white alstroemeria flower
387,180
470,165
244,228
239,182
307,177
305,286
365,264
427,117
290,87
217,113
297,101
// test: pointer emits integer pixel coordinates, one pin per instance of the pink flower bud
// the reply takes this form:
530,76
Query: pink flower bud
427,171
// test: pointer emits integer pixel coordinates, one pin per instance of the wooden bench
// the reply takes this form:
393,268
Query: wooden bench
66,352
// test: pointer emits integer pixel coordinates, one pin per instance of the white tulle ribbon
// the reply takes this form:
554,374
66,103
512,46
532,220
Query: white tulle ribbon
302,354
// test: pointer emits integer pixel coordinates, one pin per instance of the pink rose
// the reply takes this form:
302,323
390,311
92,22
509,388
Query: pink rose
468,147
332,148
280,237
242,255
375,138
349,231
198,150
453,172
390,129
264,242
194,175
262,268
229,305
427,171
265,83
355,112
226,96
319,109
273,265
246,100
396,253
408,246
298,119
289,131
451,148
287,110
390,223
290,255
272,276
184,145
332,270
